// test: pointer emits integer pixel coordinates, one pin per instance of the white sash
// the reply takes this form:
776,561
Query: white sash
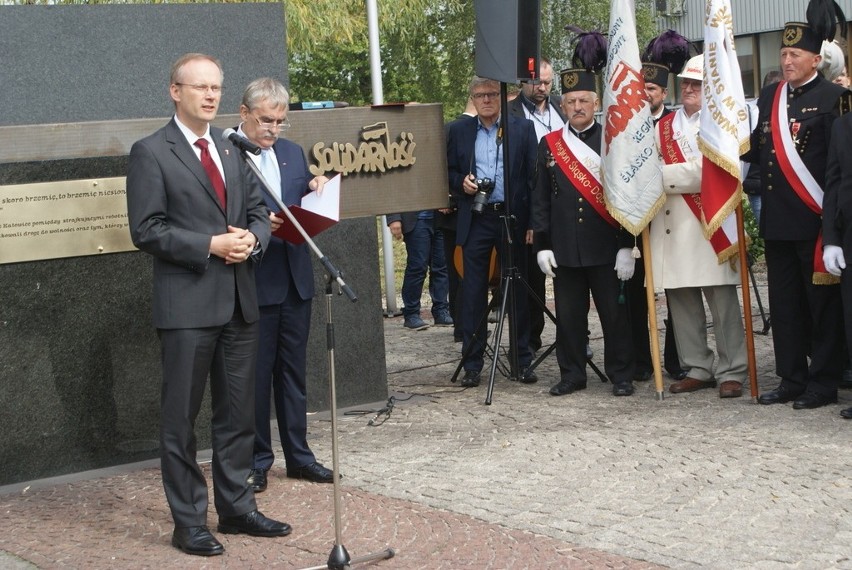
789,150
581,151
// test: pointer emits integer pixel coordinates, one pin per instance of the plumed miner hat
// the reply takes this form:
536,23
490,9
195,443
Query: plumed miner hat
822,19
664,54
589,58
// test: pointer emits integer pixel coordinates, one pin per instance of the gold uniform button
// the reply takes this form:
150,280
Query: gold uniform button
580,220
773,151
770,162
579,199
580,209
769,187
769,175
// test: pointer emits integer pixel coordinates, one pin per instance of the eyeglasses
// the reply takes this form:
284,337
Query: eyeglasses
489,94
266,123
216,89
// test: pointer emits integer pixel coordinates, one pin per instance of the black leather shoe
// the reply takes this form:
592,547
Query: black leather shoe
847,413
529,377
566,387
315,472
811,400
780,395
471,379
257,480
622,389
253,524
196,540
643,376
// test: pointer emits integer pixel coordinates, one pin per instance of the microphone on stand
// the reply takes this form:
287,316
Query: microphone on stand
241,143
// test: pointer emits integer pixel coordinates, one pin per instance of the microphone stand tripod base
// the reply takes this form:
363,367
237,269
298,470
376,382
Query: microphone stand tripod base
339,558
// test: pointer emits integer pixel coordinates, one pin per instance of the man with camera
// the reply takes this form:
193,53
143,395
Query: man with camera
580,241
475,165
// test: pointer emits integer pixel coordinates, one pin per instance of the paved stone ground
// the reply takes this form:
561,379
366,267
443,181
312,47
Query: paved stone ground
531,481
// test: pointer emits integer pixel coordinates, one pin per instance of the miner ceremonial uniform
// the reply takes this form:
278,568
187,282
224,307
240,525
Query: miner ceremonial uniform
791,143
584,243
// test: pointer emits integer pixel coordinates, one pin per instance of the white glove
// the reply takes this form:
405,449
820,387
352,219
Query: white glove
832,257
624,263
546,262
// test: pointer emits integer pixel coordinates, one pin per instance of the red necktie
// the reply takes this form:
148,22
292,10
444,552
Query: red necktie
211,170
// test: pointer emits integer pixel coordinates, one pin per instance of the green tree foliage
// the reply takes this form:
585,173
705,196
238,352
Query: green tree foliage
427,56
426,45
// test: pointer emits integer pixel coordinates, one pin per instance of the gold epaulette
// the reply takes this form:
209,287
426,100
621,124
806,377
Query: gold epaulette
844,103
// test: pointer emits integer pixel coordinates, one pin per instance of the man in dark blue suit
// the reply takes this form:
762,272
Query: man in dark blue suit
475,152
285,290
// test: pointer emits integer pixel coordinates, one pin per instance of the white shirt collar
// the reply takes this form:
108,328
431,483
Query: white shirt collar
191,137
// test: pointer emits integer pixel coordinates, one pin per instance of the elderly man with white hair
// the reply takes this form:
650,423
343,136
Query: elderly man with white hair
685,263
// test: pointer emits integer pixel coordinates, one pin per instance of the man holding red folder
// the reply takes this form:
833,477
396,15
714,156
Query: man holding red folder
285,289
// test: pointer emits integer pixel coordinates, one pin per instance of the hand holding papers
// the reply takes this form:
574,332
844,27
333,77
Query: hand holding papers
318,212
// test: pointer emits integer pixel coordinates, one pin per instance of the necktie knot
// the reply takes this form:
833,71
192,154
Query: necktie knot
202,144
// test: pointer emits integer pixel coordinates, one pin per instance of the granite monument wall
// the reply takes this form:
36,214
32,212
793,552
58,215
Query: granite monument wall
79,359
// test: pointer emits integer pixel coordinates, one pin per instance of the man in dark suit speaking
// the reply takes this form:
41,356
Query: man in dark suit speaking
192,205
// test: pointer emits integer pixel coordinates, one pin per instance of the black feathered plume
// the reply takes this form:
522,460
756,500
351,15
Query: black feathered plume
589,49
670,49
823,17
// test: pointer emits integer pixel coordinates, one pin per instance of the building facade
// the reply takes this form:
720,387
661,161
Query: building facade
757,30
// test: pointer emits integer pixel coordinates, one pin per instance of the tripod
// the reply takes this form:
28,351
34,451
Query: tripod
767,324
510,274
338,558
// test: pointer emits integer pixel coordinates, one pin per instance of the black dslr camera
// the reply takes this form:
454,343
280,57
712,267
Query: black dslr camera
484,188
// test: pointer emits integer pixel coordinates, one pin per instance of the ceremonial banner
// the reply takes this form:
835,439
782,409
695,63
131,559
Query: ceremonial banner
724,120
630,170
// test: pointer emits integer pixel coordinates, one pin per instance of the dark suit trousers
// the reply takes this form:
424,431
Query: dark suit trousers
571,291
454,280
281,374
806,319
227,354
537,283
637,305
486,232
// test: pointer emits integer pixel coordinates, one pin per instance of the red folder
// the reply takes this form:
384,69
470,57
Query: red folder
312,222
318,212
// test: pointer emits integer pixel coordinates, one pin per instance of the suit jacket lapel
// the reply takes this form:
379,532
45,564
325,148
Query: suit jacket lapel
231,170
472,130
185,153
289,194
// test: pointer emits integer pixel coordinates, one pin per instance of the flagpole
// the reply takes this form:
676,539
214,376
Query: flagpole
653,330
749,328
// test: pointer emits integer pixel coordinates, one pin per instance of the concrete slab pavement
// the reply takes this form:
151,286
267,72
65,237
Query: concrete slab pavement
586,480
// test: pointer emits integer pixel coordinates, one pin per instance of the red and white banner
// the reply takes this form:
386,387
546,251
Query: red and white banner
630,170
724,119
